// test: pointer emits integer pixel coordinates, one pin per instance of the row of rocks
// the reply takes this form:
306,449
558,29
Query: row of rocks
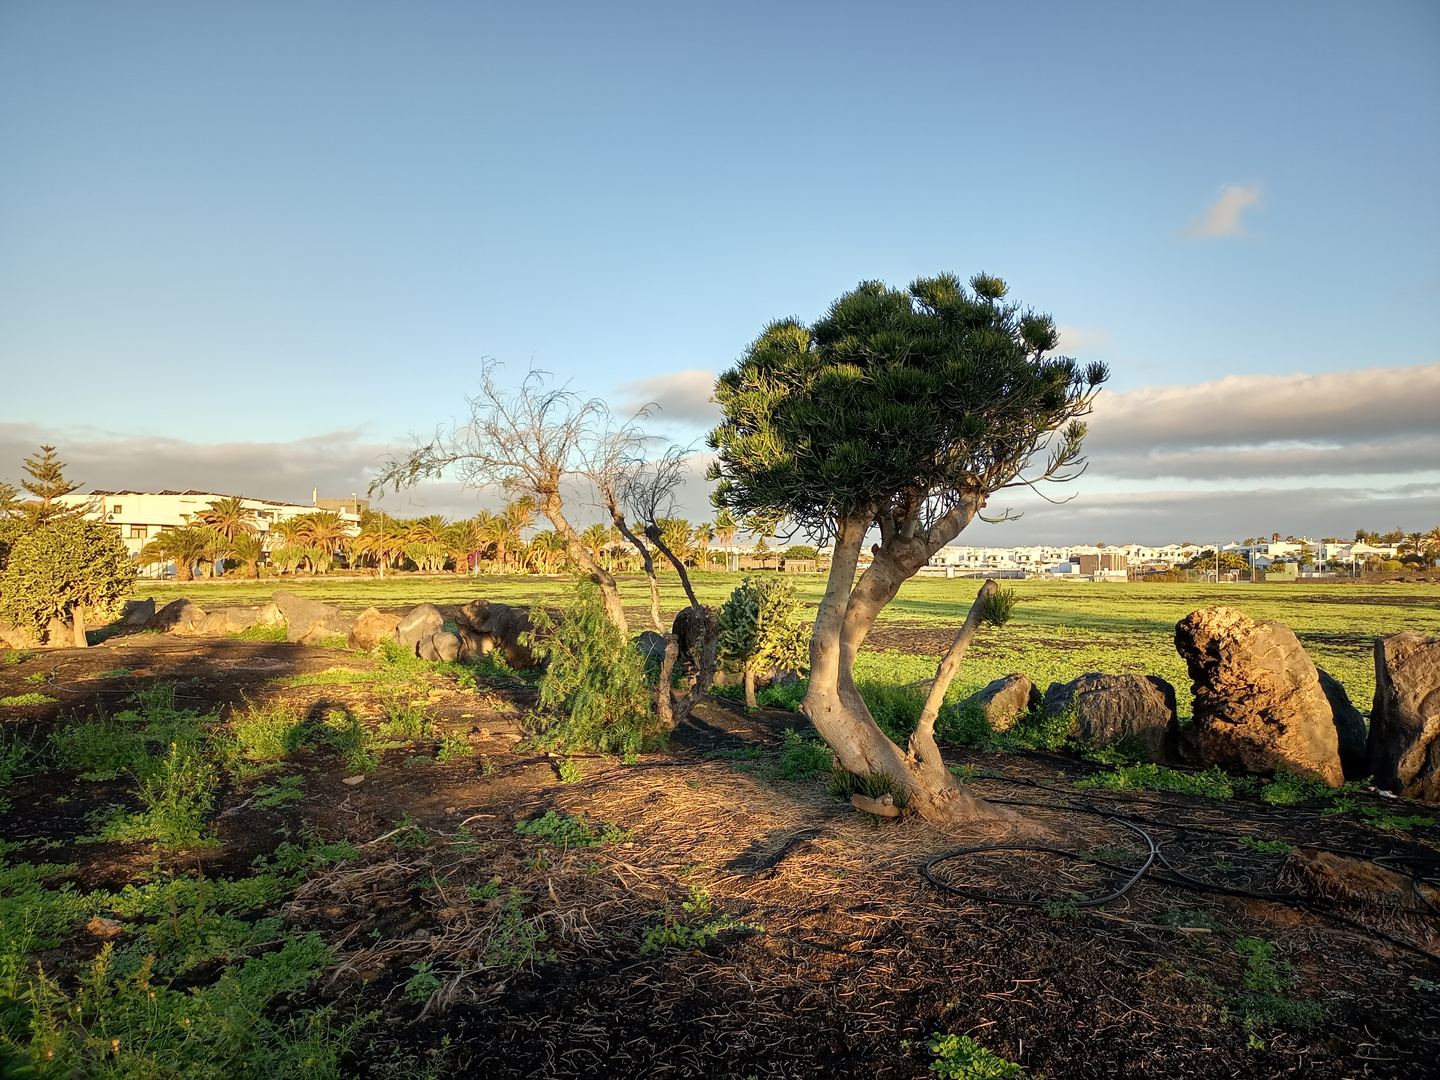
1260,703
482,627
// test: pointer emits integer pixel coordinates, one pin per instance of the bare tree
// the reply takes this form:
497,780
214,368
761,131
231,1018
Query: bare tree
612,458
648,493
529,441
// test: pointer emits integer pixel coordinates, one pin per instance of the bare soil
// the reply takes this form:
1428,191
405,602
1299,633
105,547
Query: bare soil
849,958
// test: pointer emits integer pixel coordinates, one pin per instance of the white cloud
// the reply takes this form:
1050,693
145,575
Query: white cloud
1340,414
683,397
1078,339
1222,217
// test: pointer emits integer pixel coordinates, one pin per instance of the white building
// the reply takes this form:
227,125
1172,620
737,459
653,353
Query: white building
138,515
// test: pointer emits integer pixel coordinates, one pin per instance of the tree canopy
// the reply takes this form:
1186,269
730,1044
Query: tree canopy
895,402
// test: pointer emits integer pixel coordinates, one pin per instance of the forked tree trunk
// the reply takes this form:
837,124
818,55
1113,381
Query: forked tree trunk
647,560
609,593
670,706
847,612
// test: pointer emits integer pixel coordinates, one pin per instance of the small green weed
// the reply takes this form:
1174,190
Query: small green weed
113,673
571,771
422,985
1269,847
670,933
37,677
8,658
404,718
285,789
959,1057
177,796
27,699
566,831
1288,788
488,891
516,940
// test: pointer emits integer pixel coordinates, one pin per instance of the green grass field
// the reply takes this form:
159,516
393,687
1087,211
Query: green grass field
1060,629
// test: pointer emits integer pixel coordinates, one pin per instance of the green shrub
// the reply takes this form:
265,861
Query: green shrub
758,628
964,725
594,694
63,565
844,784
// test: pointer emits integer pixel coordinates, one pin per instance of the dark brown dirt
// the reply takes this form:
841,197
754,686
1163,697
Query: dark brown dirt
858,959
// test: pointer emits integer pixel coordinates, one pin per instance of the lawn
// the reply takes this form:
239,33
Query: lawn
1060,629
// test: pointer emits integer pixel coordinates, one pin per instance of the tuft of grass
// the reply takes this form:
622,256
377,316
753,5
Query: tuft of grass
1212,783
801,759
261,633
453,747
270,731
844,784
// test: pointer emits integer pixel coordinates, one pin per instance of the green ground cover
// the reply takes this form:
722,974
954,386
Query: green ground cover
1059,629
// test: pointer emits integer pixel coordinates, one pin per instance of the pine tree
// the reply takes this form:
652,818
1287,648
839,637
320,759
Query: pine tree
48,484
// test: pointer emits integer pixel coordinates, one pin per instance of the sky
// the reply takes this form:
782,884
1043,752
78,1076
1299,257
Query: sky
252,247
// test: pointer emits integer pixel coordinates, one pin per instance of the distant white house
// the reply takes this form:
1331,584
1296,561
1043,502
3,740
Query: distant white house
138,515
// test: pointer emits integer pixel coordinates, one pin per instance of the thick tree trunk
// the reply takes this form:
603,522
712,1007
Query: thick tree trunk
609,593
833,704
77,615
750,687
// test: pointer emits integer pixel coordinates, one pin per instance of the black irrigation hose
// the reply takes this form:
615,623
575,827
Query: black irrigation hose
1180,878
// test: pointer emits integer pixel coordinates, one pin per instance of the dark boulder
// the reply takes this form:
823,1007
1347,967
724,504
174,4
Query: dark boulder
1403,750
1109,708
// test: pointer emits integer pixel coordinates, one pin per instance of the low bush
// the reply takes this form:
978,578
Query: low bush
1213,783
594,694
566,831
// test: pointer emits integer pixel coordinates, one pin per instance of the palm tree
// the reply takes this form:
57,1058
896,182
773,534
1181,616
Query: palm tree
704,534
182,546
494,532
725,529
289,531
547,549
678,537
597,538
518,516
229,517
247,549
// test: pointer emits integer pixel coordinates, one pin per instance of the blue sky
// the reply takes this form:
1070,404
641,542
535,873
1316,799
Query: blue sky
304,223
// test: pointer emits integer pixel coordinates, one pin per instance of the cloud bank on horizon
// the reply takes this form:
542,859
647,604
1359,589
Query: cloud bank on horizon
1241,455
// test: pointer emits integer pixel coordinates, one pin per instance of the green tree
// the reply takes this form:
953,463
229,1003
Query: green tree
758,629
63,569
9,503
48,485
902,411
